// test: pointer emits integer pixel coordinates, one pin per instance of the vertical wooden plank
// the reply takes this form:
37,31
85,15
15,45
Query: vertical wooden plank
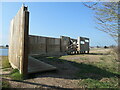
24,61
22,42
26,42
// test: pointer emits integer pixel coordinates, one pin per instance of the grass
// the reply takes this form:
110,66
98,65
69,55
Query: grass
96,70
5,62
91,83
6,69
5,84
101,74
83,58
50,59
15,75
102,58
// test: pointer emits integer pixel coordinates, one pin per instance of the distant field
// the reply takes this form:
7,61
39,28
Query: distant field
99,69
3,47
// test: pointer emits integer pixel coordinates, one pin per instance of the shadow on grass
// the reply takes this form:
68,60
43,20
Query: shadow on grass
41,85
83,71
65,69
98,53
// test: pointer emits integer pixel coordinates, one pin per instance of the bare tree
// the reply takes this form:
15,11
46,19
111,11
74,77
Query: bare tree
106,16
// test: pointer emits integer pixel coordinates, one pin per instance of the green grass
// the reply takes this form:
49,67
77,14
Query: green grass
92,73
6,69
91,83
102,58
50,59
5,62
99,73
83,58
15,75
5,84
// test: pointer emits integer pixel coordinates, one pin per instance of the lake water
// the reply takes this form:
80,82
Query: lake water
3,52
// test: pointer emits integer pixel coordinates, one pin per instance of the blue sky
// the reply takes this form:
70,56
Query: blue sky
54,19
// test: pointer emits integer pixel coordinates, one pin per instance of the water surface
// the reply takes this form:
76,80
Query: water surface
3,52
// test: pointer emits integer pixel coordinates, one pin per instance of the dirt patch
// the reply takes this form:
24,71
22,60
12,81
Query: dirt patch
65,69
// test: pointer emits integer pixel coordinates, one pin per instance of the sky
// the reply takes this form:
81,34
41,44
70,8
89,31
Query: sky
53,19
